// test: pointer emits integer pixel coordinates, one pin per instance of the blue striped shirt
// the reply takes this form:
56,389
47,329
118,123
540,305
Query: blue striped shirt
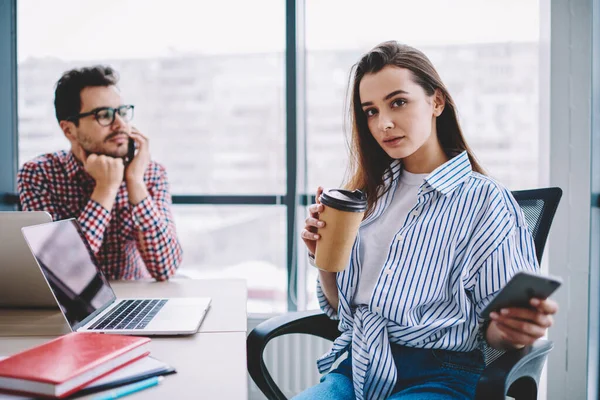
461,243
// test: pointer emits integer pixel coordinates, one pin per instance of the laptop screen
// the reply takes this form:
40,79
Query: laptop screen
69,266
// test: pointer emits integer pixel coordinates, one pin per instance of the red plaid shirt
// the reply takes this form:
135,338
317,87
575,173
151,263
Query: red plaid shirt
58,184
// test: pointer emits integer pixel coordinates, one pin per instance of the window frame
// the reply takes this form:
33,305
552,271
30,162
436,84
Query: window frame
8,105
593,365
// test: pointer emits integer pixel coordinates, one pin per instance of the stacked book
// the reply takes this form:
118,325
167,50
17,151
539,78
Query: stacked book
79,363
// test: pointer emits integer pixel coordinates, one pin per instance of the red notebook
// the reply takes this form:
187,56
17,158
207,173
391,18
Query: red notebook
64,365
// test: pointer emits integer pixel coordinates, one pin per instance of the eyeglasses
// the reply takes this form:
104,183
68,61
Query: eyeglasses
106,115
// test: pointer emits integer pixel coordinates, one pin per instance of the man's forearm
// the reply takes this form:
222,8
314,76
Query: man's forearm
105,196
94,219
157,239
137,191
162,259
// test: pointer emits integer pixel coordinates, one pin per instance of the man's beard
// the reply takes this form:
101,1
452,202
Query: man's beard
99,148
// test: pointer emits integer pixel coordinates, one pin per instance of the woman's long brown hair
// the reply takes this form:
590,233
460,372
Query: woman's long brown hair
368,161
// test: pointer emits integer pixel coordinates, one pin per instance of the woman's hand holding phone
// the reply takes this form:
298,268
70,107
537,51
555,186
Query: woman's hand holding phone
521,311
517,327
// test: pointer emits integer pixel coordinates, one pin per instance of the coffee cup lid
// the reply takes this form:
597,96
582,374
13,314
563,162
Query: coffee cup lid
345,200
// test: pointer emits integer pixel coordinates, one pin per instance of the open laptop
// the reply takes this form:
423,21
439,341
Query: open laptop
21,284
85,297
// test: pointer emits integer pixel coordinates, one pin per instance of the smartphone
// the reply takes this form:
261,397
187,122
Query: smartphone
520,290
130,151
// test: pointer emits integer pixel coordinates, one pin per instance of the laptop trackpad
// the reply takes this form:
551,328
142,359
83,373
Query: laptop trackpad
183,314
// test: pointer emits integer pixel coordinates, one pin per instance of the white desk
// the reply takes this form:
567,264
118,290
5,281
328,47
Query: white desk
210,364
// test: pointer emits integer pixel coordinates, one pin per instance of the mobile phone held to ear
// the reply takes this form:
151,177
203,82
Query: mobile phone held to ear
130,151
523,287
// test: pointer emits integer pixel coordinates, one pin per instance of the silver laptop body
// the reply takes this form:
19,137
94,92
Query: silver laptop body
87,300
21,283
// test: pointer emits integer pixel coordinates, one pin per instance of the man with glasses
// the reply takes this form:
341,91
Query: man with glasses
107,181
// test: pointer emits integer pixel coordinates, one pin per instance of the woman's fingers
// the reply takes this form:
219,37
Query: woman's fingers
319,192
547,306
528,315
515,336
525,327
310,231
315,209
306,234
314,222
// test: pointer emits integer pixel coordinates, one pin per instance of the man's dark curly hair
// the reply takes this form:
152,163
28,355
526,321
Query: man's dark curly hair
67,96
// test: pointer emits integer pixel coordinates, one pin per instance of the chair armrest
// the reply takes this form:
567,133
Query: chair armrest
312,322
525,364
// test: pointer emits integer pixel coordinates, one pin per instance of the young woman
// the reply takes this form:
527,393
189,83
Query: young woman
438,240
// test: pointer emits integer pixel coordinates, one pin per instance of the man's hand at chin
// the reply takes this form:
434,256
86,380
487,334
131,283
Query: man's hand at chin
106,171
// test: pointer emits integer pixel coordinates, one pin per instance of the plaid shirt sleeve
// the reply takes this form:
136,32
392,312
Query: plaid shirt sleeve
35,195
152,217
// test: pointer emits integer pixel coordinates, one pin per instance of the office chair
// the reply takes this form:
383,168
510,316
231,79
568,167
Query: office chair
513,373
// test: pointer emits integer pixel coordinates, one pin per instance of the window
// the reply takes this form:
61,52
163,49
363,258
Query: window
240,242
208,86
491,72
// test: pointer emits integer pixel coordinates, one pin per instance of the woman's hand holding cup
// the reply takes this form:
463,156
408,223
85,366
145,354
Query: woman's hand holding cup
310,233
333,224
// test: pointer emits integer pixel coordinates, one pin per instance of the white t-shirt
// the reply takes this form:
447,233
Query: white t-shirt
377,236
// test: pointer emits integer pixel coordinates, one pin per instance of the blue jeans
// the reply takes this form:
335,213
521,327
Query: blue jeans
423,374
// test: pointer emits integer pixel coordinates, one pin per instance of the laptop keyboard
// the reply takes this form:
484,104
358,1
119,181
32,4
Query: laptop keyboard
130,314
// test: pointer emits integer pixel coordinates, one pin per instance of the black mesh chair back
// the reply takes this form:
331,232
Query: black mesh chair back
539,207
